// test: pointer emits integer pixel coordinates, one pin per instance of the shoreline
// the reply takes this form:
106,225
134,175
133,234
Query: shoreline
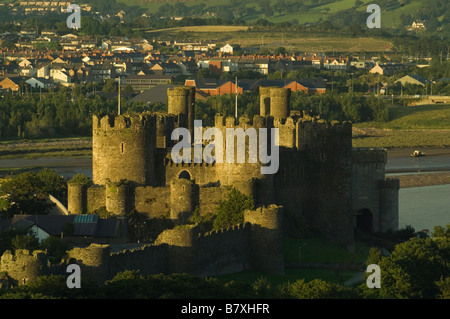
399,152
422,177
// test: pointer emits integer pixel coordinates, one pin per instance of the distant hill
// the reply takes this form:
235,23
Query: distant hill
395,13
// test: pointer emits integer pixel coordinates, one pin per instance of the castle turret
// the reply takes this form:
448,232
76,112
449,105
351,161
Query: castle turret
388,190
181,102
368,170
274,101
116,197
279,102
183,199
24,266
182,244
93,261
77,197
123,148
266,248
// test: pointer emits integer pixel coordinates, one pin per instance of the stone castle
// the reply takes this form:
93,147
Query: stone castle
322,184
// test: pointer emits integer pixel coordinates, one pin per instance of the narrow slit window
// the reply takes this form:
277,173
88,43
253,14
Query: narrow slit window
122,148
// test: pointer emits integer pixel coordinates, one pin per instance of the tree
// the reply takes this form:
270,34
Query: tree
56,247
28,242
416,269
316,289
80,179
231,211
110,86
27,194
280,51
52,183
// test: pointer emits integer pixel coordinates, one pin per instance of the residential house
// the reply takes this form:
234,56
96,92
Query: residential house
103,71
386,68
11,83
78,229
336,63
359,64
413,79
166,68
212,86
41,83
61,76
227,49
309,86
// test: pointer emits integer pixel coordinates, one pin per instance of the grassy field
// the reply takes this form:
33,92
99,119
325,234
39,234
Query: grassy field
210,28
389,15
30,149
409,126
292,41
321,250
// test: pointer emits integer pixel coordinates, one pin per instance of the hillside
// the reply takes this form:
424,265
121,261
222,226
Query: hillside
395,13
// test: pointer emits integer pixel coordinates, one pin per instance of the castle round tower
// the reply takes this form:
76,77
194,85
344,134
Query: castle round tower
76,198
181,102
182,199
182,244
93,261
279,102
266,238
116,197
24,266
123,148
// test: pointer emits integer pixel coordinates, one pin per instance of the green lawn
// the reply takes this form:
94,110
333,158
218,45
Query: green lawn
409,126
321,250
434,116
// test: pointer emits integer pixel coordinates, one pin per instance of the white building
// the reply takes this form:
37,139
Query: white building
40,83
227,49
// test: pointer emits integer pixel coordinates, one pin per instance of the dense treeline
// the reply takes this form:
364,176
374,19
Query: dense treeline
68,111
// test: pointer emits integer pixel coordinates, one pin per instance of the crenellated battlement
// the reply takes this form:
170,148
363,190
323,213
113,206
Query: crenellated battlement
369,155
318,124
120,122
170,163
24,266
243,122
180,91
218,232
269,217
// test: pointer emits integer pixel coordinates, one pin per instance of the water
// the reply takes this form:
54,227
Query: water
426,163
424,207
66,167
